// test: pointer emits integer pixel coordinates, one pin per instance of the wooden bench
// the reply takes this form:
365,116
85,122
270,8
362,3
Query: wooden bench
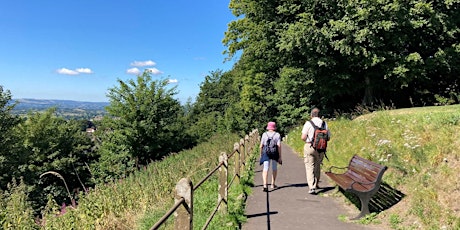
362,177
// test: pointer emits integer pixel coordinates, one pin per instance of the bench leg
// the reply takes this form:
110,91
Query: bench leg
364,198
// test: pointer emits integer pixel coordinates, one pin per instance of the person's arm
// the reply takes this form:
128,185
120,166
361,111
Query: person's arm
304,131
280,160
304,137
261,146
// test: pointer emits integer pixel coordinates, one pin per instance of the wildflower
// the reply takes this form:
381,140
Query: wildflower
383,142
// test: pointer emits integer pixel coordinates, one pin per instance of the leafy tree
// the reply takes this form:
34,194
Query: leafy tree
349,53
292,92
50,143
208,115
144,124
8,138
386,51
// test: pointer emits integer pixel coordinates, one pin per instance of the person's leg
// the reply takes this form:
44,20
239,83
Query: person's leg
265,173
316,168
318,162
309,161
274,172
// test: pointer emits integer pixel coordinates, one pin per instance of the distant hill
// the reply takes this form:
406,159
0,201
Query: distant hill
65,108
27,103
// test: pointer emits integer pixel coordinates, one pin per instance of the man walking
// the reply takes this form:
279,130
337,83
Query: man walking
312,158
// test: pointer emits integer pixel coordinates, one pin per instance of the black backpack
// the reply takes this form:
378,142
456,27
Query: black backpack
271,147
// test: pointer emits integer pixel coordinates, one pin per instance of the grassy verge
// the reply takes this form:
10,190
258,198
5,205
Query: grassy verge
421,147
139,201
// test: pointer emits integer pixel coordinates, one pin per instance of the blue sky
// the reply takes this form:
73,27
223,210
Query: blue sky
76,50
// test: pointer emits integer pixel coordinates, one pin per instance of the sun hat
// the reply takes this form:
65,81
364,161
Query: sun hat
271,125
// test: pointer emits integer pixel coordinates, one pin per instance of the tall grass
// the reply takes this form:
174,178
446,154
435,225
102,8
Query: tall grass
138,201
421,147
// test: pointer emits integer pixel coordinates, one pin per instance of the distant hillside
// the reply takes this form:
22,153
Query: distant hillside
27,103
65,108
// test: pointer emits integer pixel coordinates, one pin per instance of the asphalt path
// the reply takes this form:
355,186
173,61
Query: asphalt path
291,207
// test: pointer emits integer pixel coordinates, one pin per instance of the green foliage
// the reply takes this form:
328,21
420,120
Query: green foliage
341,54
395,220
144,124
8,139
49,143
143,197
15,209
369,219
419,145
291,98
209,114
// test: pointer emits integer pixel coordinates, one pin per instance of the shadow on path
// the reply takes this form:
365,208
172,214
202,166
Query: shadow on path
385,198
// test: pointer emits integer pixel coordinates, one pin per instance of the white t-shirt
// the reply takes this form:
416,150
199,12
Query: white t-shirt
276,137
310,131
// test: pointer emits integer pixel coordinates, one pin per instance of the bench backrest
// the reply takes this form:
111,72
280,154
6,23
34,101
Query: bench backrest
364,170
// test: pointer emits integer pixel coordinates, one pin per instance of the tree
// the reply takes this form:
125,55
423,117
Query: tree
355,52
8,139
217,95
50,143
144,124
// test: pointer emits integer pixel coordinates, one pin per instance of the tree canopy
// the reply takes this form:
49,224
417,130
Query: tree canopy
340,54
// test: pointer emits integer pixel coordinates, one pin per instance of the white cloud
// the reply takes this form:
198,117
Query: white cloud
143,63
154,71
134,71
84,70
67,71
172,81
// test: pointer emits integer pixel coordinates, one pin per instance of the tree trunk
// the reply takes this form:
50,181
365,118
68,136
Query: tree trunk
368,93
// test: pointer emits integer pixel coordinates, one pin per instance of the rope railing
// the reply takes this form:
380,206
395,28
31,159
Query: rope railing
183,206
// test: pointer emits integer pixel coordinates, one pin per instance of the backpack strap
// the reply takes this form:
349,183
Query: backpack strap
323,125
315,128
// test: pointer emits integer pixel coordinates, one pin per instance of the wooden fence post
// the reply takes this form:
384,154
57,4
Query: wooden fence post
223,182
246,145
184,214
243,157
236,149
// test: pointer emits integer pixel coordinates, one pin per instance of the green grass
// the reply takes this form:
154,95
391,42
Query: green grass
421,147
140,200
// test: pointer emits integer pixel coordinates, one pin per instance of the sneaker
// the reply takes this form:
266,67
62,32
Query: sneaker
265,190
312,191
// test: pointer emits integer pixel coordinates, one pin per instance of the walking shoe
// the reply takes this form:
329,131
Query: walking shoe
312,191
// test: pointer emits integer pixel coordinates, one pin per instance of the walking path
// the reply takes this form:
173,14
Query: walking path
290,206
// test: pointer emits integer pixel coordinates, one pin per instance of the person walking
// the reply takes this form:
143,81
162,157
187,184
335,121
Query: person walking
312,158
268,158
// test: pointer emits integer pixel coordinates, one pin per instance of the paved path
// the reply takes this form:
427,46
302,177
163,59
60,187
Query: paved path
290,206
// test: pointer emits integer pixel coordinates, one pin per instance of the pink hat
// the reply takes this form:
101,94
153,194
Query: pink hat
271,125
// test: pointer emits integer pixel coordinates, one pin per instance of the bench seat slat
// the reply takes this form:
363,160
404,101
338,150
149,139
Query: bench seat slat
362,177
345,182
